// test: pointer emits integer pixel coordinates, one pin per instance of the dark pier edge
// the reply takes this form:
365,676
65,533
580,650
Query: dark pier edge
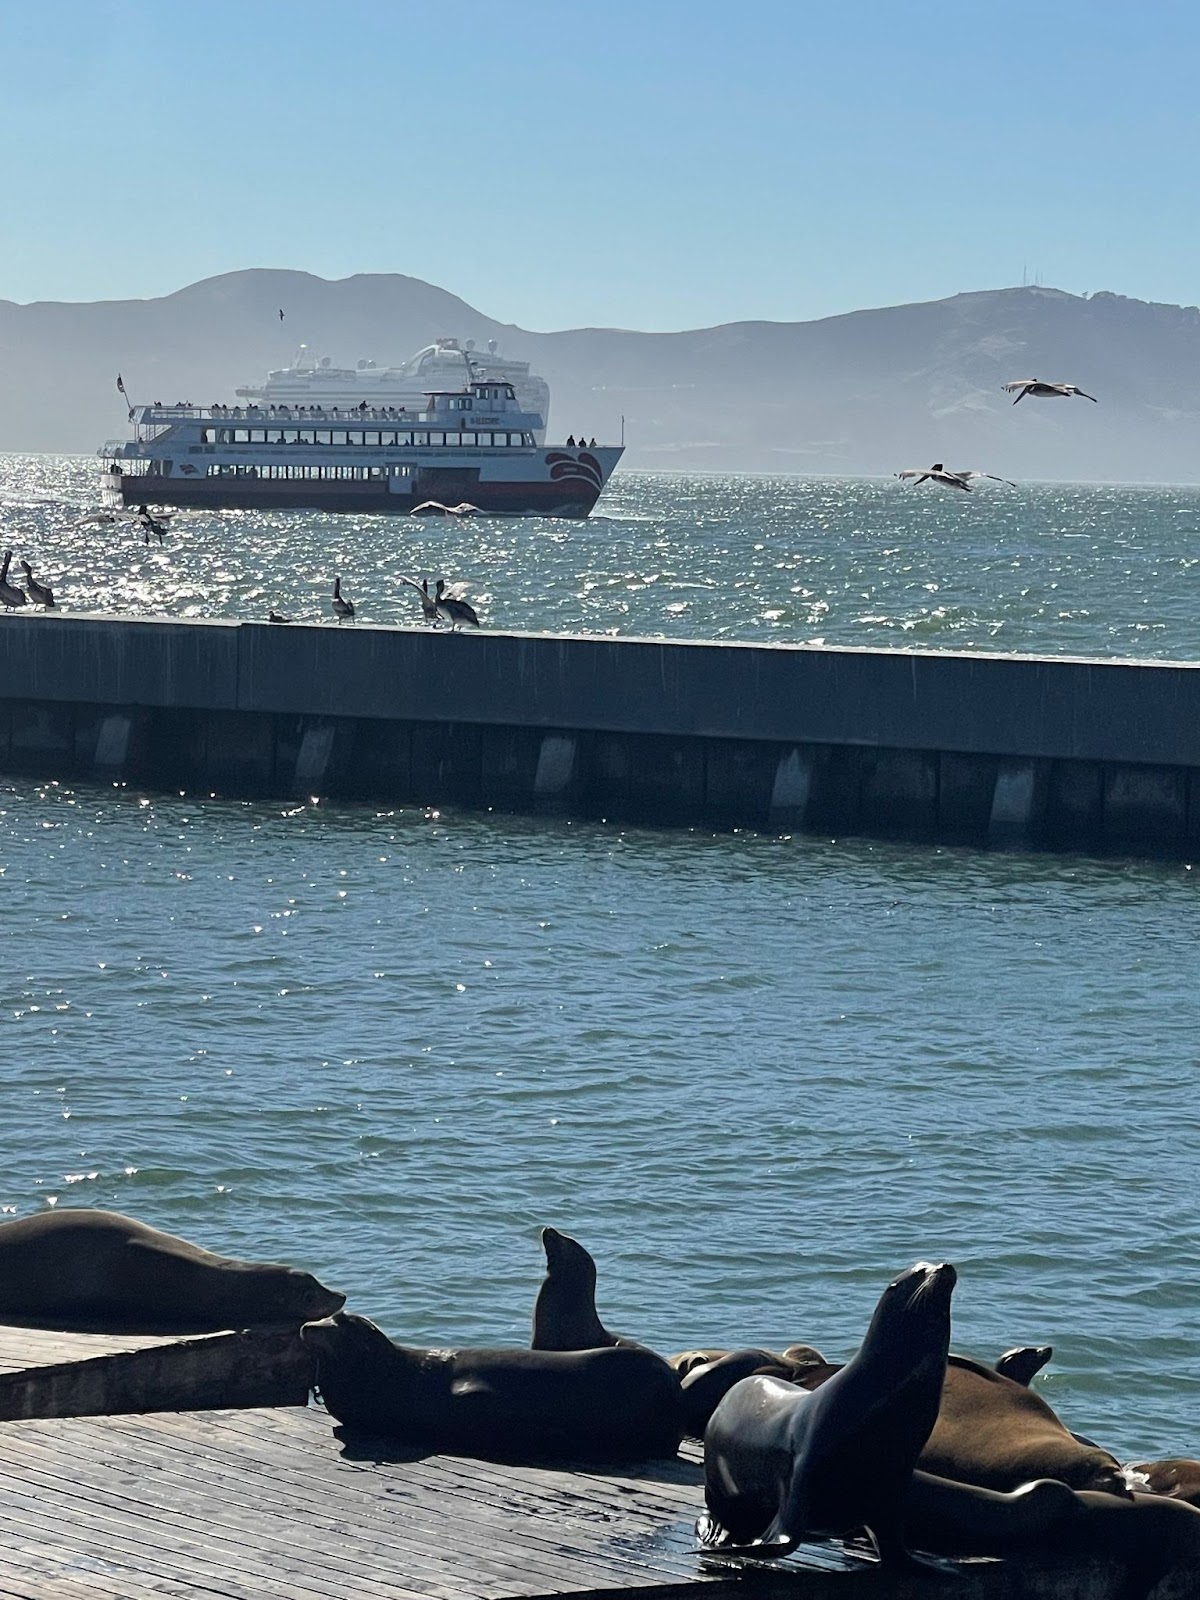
988,750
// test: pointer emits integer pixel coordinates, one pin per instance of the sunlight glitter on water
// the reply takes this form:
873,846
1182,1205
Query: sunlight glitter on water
1064,568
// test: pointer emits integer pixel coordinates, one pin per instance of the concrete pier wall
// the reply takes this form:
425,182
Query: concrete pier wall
1006,751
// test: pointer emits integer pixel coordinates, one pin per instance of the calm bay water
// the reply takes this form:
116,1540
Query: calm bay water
755,1075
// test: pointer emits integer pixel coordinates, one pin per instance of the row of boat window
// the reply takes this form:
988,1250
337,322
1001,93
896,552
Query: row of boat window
276,473
372,437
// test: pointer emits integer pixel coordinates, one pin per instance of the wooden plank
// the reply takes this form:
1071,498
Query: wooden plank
266,1504
254,1367
21,1348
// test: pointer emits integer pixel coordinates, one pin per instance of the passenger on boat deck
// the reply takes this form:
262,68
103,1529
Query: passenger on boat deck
571,441
592,442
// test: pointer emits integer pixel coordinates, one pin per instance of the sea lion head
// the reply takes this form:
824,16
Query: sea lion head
285,1294
1022,1363
352,1357
567,1259
914,1313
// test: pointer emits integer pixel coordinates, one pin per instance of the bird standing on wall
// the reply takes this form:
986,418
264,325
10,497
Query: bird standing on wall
10,595
343,608
453,610
1044,391
40,593
428,603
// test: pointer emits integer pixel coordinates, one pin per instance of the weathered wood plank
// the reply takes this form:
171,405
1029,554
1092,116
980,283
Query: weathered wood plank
249,1368
259,1504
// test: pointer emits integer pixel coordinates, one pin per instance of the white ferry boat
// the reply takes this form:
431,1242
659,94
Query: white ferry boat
474,446
446,364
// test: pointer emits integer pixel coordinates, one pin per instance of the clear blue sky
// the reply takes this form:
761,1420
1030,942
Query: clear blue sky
643,163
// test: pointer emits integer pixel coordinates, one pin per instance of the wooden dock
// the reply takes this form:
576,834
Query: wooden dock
238,1504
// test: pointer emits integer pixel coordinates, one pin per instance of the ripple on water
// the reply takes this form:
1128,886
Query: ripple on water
755,1075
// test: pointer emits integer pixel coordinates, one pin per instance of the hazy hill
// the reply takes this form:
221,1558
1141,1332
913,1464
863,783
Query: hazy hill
871,391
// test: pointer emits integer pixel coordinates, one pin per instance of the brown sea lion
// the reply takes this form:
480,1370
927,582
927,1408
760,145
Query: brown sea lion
564,1313
86,1268
1177,1478
796,1355
601,1404
684,1360
782,1463
999,1434
1024,1363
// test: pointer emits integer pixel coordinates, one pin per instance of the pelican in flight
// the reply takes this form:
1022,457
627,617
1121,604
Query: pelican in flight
343,608
40,593
451,609
952,477
1044,391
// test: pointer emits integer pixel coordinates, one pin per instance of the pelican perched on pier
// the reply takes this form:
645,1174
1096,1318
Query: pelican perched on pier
10,595
40,593
1045,391
343,608
428,603
451,609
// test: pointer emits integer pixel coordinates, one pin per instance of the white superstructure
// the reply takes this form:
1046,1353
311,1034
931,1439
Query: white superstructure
444,365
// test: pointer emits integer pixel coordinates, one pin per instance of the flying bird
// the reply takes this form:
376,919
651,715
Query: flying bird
281,313
937,473
967,475
1044,391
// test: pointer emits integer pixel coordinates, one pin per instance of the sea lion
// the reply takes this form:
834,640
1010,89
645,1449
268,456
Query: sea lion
706,1383
602,1404
99,1269
1177,1478
796,1355
783,1463
998,1434
1150,1538
1024,1363
961,1519
564,1313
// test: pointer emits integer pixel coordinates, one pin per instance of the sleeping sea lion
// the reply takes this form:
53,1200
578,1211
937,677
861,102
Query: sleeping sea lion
1024,1363
1177,1478
999,1434
782,1463
601,1404
796,1355
98,1269
706,1383
564,1313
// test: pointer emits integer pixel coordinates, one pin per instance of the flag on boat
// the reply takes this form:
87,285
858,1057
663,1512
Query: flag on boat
121,385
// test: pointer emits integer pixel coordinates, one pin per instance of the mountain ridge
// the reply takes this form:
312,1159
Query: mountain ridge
866,391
